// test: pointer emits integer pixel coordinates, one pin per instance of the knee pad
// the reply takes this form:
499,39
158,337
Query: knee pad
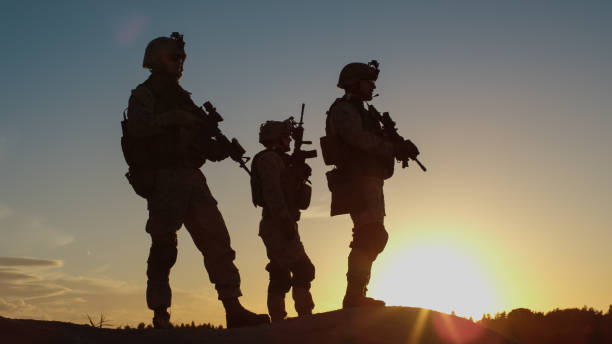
303,273
280,279
162,255
161,222
371,238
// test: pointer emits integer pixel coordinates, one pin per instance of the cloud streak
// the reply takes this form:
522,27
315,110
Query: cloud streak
53,236
32,234
16,261
37,288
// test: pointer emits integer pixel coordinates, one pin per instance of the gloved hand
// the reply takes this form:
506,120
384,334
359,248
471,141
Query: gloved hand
411,149
405,150
301,171
306,171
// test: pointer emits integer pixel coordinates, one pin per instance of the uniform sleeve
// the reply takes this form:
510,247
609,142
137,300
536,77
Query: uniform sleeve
347,125
140,113
268,169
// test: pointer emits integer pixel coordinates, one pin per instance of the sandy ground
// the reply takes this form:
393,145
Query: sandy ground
359,326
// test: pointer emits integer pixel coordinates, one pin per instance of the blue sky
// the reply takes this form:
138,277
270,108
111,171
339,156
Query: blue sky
509,103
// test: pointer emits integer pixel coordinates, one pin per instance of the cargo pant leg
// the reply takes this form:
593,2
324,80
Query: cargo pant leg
287,253
162,257
209,233
280,278
369,234
166,206
289,267
368,242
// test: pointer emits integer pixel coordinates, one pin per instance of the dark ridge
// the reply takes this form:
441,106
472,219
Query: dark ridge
356,326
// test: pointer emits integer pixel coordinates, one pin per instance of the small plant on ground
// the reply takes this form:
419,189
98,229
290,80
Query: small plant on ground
102,322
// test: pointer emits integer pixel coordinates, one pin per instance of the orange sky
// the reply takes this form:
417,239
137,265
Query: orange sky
509,104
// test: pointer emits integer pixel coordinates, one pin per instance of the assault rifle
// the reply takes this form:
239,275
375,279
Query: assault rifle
299,156
391,132
211,119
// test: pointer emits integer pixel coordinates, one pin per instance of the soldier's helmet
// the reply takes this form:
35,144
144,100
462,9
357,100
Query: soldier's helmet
273,131
173,45
356,71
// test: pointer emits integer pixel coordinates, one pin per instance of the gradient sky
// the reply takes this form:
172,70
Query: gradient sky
509,102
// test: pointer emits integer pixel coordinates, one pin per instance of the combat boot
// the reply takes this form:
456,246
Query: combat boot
161,319
355,297
238,316
276,306
303,300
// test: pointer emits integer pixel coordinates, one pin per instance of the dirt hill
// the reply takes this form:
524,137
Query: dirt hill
358,326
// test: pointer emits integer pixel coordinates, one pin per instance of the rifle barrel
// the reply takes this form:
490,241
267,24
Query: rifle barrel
244,167
302,115
420,165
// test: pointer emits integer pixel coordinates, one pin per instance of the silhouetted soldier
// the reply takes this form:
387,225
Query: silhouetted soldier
278,185
364,157
164,147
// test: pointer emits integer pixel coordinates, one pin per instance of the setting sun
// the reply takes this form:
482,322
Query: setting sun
233,162
436,276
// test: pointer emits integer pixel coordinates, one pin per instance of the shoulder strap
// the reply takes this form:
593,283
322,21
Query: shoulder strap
376,113
338,100
144,95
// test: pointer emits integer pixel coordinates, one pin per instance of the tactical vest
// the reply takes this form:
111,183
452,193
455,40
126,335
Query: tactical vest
296,192
175,146
351,160
172,147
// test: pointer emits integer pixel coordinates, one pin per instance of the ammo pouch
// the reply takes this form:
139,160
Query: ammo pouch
137,151
302,196
137,155
142,181
126,147
331,149
345,198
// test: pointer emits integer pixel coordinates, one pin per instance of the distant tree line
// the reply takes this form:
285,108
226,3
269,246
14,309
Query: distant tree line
559,326
192,325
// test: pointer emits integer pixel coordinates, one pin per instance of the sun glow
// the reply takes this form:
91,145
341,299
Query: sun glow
434,276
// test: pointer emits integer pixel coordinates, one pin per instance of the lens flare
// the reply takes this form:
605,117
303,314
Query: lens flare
129,29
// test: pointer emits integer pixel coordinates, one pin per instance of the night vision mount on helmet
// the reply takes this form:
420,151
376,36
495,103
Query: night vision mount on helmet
173,44
356,71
